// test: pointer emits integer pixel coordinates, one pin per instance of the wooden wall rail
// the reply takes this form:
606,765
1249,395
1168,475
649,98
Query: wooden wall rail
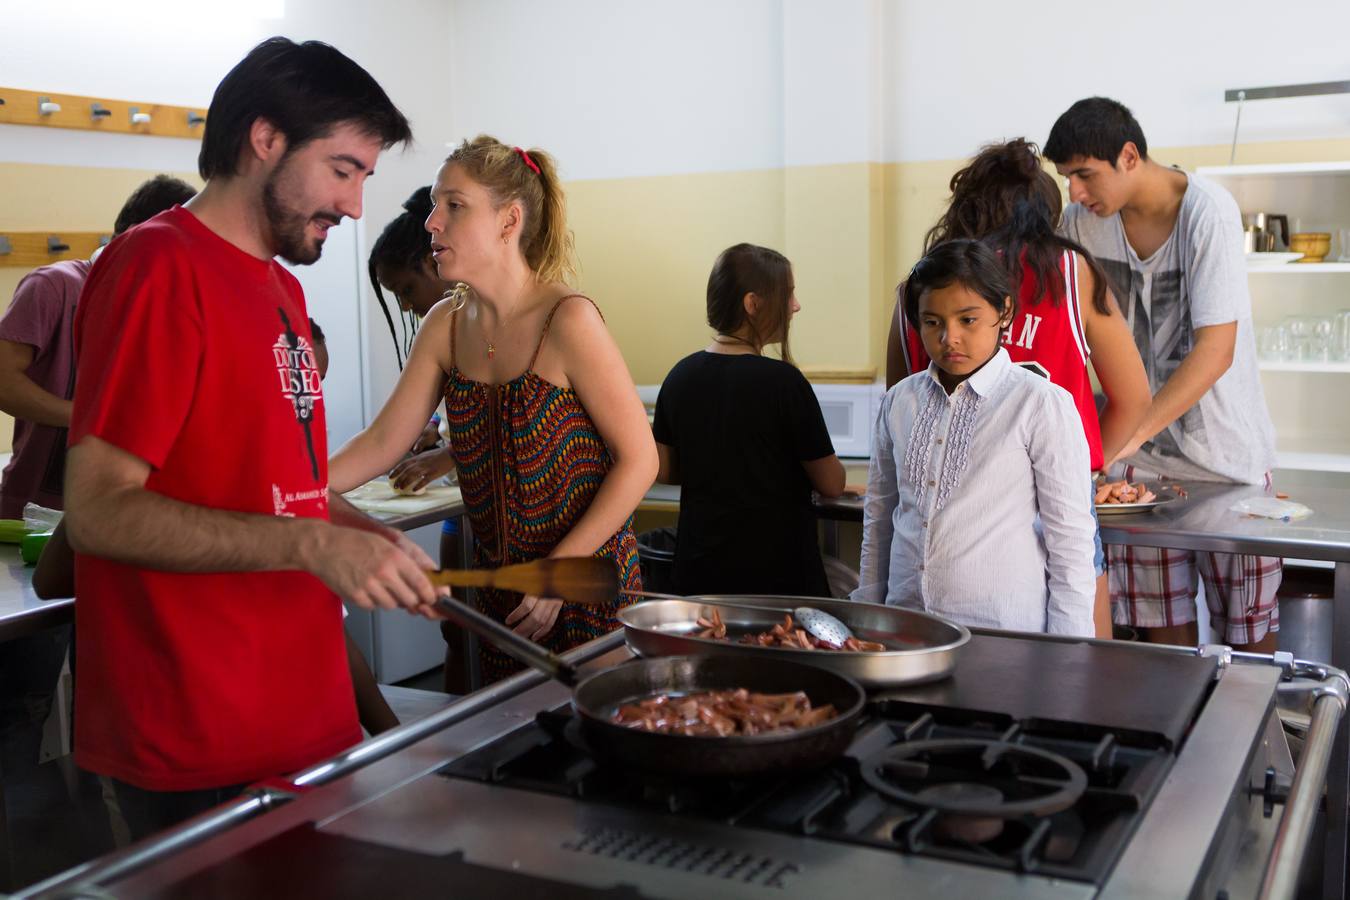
30,249
20,107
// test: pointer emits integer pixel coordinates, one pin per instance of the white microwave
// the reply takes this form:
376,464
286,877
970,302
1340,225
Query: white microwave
850,412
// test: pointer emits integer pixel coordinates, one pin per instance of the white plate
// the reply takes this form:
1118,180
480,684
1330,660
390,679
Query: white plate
1164,495
1261,260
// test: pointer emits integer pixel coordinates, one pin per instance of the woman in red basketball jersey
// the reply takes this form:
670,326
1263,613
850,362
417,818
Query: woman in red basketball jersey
1065,313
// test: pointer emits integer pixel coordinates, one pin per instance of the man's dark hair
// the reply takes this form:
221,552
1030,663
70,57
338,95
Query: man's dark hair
1097,127
305,90
152,198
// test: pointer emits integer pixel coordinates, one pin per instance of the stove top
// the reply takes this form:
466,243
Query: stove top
1032,796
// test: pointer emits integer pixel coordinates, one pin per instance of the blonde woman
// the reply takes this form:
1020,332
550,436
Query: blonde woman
549,437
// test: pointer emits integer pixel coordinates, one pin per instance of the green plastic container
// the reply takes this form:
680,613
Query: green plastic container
30,547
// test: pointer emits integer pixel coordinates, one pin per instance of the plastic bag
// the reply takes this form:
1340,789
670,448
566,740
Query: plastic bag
40,518
1271,508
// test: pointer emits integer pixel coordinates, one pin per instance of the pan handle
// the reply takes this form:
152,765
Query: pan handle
519,648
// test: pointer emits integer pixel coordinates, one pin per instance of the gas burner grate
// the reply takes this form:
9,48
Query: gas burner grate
662,852
836,803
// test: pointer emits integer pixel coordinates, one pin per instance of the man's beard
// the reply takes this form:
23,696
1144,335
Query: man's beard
288,225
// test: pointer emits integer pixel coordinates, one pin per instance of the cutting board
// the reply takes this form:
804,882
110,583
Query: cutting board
378,496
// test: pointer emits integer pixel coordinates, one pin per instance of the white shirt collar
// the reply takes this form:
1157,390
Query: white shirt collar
983,381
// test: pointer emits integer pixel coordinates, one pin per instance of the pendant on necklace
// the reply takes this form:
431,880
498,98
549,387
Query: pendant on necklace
491,350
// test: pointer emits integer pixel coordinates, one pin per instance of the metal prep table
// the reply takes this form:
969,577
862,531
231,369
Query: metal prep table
386,784
1204,521
22,612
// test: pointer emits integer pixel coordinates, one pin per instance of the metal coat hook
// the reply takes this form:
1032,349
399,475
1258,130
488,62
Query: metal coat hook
99,111
138,117
56,245
47,107
1232,153
195,119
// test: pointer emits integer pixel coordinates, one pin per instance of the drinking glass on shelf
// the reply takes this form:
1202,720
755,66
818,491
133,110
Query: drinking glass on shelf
1343,335
1273,343
1323,340
1300,337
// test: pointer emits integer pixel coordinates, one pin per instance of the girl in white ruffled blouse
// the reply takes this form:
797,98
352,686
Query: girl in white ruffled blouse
977,509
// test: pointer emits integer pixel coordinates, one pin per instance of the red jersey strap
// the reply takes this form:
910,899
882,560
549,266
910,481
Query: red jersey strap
911,345
549,321
1072,307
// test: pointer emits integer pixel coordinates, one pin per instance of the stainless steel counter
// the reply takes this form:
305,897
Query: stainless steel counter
22,612
1175,851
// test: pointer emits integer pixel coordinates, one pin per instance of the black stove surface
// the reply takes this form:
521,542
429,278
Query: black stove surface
1080,841
1107,685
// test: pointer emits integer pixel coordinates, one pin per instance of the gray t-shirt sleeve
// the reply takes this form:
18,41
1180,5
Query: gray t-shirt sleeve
1216,272
1068,225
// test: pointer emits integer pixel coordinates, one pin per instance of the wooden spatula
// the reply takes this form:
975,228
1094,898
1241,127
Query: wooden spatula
579,579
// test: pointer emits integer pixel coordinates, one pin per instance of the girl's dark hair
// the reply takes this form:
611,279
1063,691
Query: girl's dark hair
404,244
1004,198
971,263
316,332
1096,128
745,269
305,90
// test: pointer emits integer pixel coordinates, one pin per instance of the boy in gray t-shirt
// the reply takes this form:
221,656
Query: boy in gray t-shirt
1171,247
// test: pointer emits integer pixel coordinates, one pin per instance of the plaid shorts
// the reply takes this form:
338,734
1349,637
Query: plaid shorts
1153,588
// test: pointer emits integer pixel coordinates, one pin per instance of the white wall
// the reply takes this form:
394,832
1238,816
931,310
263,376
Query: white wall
619,89
622,88
171,52
964,73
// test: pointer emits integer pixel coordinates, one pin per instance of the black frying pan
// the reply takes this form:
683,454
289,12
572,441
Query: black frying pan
597,696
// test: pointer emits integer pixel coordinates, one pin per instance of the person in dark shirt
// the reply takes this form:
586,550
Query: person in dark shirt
743,435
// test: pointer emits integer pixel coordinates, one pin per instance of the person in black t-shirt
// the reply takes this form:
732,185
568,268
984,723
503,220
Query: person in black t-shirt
743,436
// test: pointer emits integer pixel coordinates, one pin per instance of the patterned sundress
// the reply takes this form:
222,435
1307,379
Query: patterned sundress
530,461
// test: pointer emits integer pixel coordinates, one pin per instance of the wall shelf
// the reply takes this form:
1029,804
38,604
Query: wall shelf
1295,268
1266,170
1328,367
1313,462
24,107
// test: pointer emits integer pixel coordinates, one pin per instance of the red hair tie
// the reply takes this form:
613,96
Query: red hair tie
534,166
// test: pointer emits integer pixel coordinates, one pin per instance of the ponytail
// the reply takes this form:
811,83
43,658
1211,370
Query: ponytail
530,177
1006,199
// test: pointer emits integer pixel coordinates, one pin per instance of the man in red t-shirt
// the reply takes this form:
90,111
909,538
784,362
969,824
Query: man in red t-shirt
209,553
